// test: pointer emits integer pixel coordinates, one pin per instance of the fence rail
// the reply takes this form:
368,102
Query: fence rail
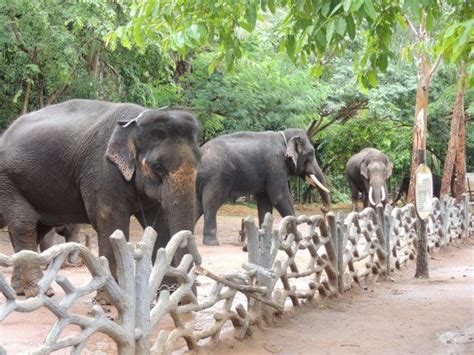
304,258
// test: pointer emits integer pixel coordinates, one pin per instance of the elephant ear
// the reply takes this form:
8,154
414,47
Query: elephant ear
389,169
121,151
292,150
364,168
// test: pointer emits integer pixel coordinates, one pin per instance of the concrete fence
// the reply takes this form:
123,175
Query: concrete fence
303,259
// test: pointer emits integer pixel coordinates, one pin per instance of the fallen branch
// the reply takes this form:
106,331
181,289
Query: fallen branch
245,289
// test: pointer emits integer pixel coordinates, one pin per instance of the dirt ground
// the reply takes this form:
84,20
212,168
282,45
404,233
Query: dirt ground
407,316
404,316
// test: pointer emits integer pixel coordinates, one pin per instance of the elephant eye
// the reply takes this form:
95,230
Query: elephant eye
158,166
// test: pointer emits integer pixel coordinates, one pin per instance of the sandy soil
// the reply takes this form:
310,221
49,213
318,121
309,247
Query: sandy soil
406,316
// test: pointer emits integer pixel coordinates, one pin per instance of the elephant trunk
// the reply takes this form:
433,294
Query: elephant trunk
316,178
180,196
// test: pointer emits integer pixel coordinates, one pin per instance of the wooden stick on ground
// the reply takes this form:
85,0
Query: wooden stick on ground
247,290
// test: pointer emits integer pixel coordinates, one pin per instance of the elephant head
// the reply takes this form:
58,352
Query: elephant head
158,150
301,158
376,170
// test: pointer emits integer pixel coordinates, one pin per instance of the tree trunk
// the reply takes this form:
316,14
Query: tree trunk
26,98
420,120
422,270
454,134
460,163
41,92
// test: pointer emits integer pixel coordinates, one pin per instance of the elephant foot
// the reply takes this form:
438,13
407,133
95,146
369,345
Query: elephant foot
74,260
208,240
101,298
25,281
77,263
32,291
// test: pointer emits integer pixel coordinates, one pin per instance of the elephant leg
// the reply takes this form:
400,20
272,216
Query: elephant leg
263,205
22,230
105,247
163,237
199,210
279,195
213,197
282,201
24,277
107,221
366,200
47,241
354,196
210,226
155,219
71,234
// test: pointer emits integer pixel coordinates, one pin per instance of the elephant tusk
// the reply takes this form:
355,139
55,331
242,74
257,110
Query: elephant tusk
313,180
370,197
383,192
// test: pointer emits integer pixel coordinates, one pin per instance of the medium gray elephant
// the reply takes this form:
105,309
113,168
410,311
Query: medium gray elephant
367,173
246,163
96,162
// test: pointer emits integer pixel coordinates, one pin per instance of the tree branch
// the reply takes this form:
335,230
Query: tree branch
18,38
60,92
423,23
412,27
342,116
436,66
26,99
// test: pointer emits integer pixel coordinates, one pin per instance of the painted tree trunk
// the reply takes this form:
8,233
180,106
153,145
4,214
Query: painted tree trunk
454,134
460,163
420,120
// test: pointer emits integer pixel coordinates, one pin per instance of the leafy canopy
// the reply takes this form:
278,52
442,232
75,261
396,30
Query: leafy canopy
308,31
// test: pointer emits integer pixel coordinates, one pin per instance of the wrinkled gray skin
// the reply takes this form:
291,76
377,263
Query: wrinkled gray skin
96,162
369,168
253,163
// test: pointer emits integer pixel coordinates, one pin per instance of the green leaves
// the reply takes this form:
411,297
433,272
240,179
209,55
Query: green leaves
370,9
347,5
351,29
330,31
341,26
32,68
251,17
290,47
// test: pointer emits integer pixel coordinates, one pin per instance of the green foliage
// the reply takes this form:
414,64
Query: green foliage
269,93
455,43
51,50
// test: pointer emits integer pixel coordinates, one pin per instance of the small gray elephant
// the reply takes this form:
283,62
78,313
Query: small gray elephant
367,173
260,163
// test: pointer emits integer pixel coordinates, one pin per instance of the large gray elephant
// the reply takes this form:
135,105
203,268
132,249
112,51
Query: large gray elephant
96,162
246,163
367,173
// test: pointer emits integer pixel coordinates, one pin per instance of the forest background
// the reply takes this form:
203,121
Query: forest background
52,51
